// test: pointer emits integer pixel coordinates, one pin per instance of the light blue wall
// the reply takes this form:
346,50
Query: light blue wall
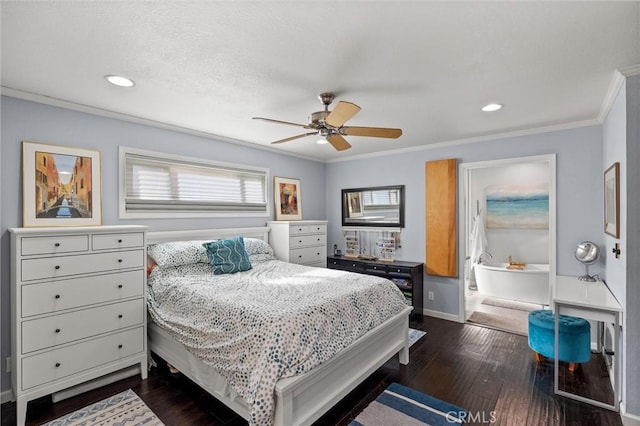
23,120
579,194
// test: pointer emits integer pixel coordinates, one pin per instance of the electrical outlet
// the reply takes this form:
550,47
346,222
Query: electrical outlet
7,365
430,295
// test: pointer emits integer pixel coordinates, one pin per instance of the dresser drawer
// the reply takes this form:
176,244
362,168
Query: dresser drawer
117,241
308,255
307,240
54,245
308,229
59,363
56,296
346,265
52,267
64,328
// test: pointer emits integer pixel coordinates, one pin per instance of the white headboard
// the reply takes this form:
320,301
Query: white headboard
261,233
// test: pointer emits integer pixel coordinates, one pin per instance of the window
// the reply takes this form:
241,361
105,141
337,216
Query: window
161,185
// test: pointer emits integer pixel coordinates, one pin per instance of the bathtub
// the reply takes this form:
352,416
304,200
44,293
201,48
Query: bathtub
530,285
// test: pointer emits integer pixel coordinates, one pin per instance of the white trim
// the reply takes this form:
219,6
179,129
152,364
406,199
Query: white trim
631,70
628,419
614,87
123,214
463,212
62,103
6,396
441,315
475,139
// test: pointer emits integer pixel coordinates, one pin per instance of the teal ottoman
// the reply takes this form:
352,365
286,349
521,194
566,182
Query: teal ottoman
574,337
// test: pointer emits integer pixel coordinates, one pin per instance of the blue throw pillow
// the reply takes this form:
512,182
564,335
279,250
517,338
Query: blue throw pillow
228,256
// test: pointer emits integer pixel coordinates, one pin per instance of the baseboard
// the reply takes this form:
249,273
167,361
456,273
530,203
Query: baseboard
628,419
6,396
95,383
441,315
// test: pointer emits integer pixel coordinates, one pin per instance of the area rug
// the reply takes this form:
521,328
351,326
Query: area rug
510,304
400,405
499,322
125,408
415,335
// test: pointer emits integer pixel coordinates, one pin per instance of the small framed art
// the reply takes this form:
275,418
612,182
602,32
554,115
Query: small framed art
60,186
288,198
612,200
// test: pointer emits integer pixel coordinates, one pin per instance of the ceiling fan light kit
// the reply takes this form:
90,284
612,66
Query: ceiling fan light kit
330,124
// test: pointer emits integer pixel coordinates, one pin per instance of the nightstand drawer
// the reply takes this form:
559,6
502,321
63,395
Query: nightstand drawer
308,229
59,329
54,245
53,296
308,255
53,267
307,240
117,241
63,362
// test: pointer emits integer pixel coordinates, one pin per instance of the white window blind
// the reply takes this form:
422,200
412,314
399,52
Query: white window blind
157,183
380,198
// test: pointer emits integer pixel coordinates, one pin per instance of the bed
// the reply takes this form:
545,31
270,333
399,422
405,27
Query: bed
301,391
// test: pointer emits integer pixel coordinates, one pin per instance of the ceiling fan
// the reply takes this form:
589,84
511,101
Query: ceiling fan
330,124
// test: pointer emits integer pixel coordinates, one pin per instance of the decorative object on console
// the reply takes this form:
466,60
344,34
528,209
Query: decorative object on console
60,186
288,198
612,200
587,252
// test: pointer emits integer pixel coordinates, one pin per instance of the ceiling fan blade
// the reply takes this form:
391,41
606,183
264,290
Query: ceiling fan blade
282,122
374,132
341,113
294,137
338,142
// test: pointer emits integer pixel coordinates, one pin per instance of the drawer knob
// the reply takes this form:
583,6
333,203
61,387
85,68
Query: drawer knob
300,241
353,264
57,296
120,316
57,244
58,364
119,346
299,256
119,260
57,330
57,267
119,285
119,241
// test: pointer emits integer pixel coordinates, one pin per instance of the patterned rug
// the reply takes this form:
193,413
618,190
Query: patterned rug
400,405
415,335
125,408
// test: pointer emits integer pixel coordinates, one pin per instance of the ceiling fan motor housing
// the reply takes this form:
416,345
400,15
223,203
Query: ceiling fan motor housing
316,119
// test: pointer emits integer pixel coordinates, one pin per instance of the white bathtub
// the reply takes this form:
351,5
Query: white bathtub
529,285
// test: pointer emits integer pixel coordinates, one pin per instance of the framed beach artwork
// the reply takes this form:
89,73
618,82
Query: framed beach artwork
517,206
288,198
612,200
60,186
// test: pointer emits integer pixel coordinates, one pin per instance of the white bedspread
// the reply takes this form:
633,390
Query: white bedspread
273,321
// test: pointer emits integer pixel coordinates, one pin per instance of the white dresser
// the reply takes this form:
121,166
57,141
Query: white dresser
300,241
77,307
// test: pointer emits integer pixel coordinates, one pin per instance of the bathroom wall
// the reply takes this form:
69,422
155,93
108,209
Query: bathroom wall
526,245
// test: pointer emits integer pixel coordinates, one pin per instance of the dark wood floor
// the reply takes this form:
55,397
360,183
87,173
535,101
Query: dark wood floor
490,373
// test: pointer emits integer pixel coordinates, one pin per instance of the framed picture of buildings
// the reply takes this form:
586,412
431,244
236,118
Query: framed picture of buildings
60,186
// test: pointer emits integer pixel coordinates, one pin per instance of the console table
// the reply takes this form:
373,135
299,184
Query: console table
408,276
594,301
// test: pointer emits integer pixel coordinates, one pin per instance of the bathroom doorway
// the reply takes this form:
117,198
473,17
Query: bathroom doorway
507,240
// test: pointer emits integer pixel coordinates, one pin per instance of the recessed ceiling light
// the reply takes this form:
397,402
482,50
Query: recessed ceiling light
491,107
118,80
322,141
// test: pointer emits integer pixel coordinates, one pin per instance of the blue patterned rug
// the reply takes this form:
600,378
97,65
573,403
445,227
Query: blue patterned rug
415,335
125,408
400,405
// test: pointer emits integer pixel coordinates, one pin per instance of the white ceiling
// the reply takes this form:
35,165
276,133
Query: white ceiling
425,67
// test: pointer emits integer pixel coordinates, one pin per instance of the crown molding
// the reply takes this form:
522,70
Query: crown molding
617,80
62,103
630,70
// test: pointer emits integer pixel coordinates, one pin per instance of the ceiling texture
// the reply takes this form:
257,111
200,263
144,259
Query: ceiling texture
425,67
